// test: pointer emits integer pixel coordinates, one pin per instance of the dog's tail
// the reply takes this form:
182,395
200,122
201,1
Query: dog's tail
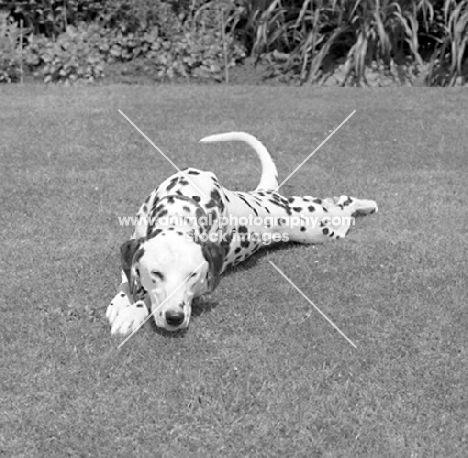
269,178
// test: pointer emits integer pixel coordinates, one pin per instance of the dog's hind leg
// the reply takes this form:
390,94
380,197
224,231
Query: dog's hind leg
315,220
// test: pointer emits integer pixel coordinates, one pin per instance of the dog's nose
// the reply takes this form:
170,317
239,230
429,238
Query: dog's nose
174,318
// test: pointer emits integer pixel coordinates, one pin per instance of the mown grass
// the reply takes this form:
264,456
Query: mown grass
259,373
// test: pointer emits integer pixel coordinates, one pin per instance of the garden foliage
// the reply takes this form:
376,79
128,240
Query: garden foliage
304,40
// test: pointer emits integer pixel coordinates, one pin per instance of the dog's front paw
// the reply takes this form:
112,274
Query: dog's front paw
120,302
129,319
123,314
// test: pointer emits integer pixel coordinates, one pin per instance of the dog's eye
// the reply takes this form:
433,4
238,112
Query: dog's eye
157,274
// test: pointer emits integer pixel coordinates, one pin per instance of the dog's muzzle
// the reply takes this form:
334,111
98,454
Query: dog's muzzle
174,318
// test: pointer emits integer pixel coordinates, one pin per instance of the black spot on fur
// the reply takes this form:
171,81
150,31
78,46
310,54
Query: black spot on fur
211,204
284,201
193,172
162,213
246,202
237,250
196,198
317,201
291,200
215,195
186,209
303,229
242,230
325,210
325,231
170,200
282,205
171,229
172,183
311,209
347,202
155,232
227,199
183,182
297,209
139,305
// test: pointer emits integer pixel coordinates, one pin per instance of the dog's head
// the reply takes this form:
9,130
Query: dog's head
171,269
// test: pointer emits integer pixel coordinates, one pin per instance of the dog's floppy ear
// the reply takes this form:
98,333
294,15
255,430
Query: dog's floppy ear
214,254
131,251
127,251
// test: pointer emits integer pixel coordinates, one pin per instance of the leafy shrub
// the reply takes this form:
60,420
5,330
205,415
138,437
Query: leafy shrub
51,17
172,39
10,49
80,53
75,55
195,54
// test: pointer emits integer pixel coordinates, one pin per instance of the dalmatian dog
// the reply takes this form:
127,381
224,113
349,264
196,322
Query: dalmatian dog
191,229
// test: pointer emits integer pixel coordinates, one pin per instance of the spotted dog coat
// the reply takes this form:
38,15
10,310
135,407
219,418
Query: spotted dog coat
190,220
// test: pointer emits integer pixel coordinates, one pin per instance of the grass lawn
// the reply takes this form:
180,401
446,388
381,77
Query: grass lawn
260,373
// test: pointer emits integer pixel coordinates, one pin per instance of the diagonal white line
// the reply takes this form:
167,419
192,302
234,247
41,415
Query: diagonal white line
161,152
316,308
312,153
157,308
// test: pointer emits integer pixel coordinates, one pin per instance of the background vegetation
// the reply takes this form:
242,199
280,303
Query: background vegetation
303,41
